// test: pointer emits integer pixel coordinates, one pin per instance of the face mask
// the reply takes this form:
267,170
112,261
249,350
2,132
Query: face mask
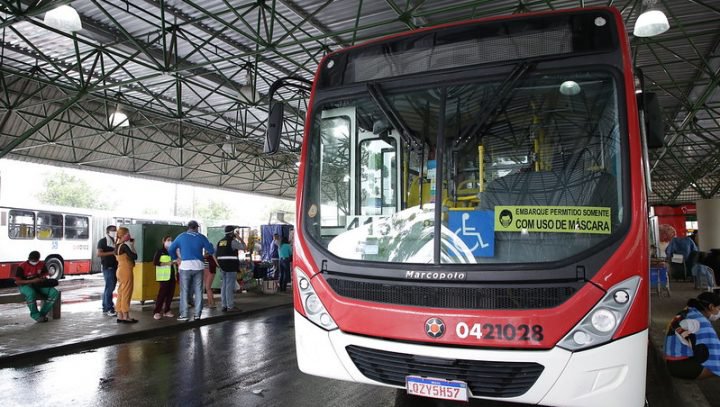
33,263
167,244
714,317
112,234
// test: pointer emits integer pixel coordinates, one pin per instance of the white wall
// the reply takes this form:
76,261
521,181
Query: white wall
708,214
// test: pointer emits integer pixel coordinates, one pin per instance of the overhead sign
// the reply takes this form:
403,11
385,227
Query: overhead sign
555,219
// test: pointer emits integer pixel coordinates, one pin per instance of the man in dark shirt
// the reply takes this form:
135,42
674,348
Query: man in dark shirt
29,275
106,253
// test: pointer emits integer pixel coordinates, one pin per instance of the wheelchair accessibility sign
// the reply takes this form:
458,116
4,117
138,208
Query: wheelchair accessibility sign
476,229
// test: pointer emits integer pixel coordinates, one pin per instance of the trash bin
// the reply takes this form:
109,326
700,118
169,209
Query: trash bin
148,238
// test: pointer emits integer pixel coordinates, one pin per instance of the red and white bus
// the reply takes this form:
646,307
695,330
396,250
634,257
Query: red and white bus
62,238
472,214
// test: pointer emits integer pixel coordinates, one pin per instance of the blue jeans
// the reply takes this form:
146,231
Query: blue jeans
284,274
227,289
188,279
110,283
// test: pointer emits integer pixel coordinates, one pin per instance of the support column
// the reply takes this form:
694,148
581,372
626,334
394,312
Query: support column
708,216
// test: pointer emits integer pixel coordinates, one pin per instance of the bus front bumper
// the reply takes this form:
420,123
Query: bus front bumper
609,375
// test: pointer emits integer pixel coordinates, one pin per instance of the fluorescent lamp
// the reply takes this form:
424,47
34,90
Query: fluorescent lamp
63,18
651,23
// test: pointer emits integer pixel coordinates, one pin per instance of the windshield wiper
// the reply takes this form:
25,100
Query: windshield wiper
391,115
497,105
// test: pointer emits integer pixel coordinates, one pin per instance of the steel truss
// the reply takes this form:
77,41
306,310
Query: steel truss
193,78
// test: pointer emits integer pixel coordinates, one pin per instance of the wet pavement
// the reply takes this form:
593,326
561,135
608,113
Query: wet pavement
242,362
83,325
87,359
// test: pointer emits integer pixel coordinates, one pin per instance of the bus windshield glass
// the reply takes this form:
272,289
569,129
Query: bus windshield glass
521,168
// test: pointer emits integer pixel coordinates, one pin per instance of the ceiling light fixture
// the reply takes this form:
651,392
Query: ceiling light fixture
651,22
63,18
118,118
570,88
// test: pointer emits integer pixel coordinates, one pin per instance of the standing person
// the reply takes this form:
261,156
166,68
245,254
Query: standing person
692,347
227,252
106,253
275,255
165,274
684,246
29,277
190,245
209,276
285,252
126,256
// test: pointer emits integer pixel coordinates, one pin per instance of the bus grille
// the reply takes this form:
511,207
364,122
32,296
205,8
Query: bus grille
454,297
484,378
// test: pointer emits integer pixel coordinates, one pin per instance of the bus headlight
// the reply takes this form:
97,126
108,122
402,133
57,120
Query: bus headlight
600,324
314,309
603,320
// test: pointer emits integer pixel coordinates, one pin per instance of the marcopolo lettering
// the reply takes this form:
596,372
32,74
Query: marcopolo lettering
434,275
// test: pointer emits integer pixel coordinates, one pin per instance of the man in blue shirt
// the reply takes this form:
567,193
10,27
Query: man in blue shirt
188,247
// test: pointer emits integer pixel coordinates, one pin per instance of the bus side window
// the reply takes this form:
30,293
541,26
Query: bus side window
21,224
77,227
49,225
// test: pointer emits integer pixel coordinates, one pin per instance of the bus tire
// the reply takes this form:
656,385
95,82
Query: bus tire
55,268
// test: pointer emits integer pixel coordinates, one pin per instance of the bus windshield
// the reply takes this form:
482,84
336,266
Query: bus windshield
521,168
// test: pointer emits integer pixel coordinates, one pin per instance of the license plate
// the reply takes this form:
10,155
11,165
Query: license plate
436,388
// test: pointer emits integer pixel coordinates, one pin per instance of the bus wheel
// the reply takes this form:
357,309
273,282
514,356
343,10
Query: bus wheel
55,268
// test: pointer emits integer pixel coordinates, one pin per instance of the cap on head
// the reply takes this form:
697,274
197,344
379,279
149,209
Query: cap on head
229,228
193,225
34,255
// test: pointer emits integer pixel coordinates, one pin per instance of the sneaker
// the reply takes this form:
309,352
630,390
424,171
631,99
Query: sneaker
233,309
197,317
224,309
182,318
111,313
168,314
157,315
42,319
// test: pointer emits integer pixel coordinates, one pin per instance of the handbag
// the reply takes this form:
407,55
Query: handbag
46,282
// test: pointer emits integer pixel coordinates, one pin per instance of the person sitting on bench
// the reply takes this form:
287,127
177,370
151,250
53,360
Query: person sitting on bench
31,277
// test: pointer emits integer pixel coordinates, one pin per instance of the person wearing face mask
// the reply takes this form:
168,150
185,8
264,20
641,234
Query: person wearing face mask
126,256
106,253
27,277
165,272
692,347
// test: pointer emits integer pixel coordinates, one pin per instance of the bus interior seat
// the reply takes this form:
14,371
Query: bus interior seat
413,198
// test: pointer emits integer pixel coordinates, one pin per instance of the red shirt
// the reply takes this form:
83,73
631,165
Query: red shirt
26,271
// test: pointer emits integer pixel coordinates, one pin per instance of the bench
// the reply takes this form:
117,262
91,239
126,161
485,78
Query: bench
14,298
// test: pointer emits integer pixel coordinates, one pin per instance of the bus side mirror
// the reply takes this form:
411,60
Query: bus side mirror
274,128
654,126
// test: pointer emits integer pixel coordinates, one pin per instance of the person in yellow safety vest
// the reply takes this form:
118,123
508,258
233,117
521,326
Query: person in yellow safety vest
165,274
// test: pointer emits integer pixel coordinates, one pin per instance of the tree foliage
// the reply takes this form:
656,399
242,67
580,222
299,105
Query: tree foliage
63,189
214,212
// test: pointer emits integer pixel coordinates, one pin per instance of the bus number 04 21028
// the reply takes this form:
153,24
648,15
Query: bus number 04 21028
507,332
